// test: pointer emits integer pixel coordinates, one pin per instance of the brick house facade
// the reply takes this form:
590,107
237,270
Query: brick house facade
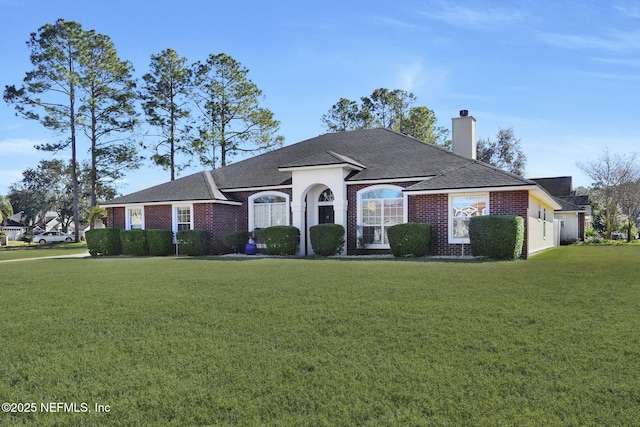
364,180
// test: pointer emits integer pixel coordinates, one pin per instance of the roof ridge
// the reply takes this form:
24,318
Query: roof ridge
213,188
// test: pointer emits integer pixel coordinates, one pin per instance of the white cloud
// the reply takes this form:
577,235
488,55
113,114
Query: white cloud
616,41
478,19
413,76
20,146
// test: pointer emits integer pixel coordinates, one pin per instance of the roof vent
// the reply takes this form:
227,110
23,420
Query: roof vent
464,113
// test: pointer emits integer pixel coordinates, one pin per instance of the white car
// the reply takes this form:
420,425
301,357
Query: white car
53,236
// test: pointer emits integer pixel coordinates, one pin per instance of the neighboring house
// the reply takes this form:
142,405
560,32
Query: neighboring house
574,214
365,180
14,229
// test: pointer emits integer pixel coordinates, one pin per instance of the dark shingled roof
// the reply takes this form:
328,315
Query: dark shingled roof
558,186
474,174
374,154
191,187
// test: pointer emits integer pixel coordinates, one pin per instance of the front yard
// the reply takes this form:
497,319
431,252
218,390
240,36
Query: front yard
549,341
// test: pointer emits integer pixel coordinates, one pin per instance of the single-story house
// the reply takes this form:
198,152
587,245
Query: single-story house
365,180
574,214
14,229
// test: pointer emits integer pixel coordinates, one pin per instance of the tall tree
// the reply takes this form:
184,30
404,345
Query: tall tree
108,105
386,108
165,104
56,56
612,175
343,116
503,152
6,210
233,122
629,194
421,124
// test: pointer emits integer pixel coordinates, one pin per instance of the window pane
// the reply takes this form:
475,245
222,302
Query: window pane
269,210
135,218
183,218
464,207
278,213
380,209
372,235
269,199
382,194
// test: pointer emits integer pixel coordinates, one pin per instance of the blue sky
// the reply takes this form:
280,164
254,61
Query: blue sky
564,75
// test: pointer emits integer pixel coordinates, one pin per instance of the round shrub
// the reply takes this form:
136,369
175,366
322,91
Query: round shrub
410,239
194,242
327,239
103,241
497,236
280,239
160,242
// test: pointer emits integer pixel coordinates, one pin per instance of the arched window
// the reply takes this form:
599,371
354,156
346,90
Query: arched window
326,196
378,209
268,209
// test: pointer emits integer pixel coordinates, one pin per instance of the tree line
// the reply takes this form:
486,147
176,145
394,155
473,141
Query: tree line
79,86
615,192
208,110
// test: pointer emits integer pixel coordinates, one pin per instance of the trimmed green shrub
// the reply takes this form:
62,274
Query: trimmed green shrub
236,242
280,239
103,241
497,236
410,239
194,242
134,242
327,239
160,242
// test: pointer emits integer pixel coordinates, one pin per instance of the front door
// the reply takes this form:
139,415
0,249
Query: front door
325,214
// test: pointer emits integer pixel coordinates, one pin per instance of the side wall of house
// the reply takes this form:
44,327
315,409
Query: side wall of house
569,226
541,231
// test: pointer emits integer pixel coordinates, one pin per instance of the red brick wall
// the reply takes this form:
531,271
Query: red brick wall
157,217
433,209
115,218
218,220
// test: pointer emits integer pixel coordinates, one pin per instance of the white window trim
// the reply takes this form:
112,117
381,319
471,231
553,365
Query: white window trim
251,210
128,216
405,210
174,216
459,240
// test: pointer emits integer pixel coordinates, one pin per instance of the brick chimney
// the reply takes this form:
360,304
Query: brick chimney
463,135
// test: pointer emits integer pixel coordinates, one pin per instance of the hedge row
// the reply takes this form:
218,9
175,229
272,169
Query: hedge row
113,241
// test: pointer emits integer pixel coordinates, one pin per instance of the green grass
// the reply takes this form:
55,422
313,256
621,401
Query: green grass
551,341
20,250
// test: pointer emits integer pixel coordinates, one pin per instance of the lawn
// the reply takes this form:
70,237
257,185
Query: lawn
551,341
20,250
